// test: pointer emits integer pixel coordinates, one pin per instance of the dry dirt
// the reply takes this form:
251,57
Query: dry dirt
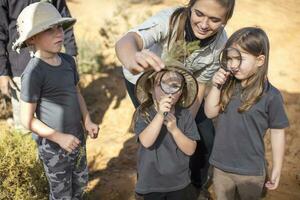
112,155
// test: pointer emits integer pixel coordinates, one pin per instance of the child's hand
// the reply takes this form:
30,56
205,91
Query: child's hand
273,183
91,128
164,105
170,122
67,142
220,77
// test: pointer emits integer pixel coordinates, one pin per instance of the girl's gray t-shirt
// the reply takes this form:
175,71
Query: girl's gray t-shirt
239,144
54,90
164,167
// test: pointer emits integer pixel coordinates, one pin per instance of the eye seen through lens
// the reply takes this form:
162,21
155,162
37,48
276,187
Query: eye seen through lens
171,82
231,59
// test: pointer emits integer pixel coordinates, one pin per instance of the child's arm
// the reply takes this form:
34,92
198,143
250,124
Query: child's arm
211,107
149,135
185,144
278,145
91,127
65,141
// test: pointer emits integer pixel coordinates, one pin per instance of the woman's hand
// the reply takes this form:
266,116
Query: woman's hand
145,59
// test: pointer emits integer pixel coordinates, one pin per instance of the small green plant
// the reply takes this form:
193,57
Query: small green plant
89,59
22,175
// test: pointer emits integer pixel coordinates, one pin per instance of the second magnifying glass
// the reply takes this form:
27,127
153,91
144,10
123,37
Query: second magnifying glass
171,82
230,61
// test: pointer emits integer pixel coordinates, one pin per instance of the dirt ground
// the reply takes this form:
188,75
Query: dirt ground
112,155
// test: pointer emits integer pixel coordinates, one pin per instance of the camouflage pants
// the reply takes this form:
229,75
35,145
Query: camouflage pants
67,173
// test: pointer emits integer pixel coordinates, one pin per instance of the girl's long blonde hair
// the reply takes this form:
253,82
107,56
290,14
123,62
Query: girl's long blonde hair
254,41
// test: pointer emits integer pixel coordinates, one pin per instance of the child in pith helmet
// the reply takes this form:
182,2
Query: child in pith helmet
49,90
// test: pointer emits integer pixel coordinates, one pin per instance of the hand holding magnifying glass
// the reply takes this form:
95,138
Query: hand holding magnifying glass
230,61
171,82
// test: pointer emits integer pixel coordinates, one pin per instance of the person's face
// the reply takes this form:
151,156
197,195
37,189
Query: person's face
207,16
173,82
248,66
50,40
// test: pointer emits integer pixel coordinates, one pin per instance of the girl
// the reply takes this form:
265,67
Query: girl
166,131
246,107
51,103
142,48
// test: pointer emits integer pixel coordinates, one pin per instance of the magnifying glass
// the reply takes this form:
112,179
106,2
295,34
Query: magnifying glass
230,61
171,82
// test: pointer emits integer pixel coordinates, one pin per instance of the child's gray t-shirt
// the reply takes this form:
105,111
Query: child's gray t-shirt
54,90
239,145
164,167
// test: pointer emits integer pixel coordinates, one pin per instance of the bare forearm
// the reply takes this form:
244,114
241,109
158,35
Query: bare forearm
127,47
185,144
278,145
211,106
151,132
83,107
41,129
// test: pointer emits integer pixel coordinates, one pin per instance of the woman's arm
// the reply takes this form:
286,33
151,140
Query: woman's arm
129,50
66,141
278,145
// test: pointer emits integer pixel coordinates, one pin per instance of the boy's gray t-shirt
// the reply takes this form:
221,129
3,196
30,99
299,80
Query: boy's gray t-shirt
54,90
164,167
239,145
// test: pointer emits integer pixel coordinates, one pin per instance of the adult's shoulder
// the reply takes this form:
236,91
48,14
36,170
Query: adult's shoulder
221,39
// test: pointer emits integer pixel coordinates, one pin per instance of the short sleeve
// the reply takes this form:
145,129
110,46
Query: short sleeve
206,75
31,85
277,115
190,127
155,29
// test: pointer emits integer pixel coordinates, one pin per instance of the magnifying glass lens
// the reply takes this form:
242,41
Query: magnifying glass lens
171,82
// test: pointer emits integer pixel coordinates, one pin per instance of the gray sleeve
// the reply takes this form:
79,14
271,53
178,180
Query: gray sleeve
190,127
155,29
140,124
206,75
31,83
208,72
277,115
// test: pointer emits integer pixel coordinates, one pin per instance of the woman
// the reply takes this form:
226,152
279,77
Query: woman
144,46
